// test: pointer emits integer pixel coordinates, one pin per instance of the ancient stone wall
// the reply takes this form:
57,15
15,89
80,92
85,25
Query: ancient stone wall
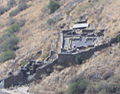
68,59
46,69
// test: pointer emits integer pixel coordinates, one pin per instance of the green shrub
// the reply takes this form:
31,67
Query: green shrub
2,10
14,12
11,3
103,87
53,6
50,21
7,55
118,38
21,7
78,87
11,21
23,63
22,1
13,28
8,42
21,23
78,60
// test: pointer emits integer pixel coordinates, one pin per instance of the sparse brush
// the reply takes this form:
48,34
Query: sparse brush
7,55
53,6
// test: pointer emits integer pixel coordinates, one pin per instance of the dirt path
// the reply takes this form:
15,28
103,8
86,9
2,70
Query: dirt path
20,90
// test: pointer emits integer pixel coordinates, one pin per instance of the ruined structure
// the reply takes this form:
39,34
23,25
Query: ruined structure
79,38
77,45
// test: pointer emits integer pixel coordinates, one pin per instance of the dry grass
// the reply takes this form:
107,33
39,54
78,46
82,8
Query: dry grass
32,34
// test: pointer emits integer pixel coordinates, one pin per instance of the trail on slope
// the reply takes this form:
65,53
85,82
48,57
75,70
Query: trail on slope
20,90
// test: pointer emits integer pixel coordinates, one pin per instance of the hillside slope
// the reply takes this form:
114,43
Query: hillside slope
37,36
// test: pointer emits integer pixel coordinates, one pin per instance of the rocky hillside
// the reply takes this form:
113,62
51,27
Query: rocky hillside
34,27
101,72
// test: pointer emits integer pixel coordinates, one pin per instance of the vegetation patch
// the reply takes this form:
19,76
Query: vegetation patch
50,21
21,7
12,21
118,38
2,10
8,42
23,1
23,63
53,6
103,87
13,28
10,4
7,55
78,87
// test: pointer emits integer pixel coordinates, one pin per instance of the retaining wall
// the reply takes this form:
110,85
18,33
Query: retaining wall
46,69
69,58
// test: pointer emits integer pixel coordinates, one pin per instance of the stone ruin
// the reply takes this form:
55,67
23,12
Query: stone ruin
80,37
77,42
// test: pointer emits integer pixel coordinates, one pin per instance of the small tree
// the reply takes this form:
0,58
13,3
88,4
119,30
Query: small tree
53,6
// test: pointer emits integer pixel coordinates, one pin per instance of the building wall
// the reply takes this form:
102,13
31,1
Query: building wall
67,59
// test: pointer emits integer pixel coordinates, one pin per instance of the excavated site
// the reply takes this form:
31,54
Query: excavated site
74,50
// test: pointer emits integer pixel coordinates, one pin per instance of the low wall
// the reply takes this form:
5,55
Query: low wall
66,59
